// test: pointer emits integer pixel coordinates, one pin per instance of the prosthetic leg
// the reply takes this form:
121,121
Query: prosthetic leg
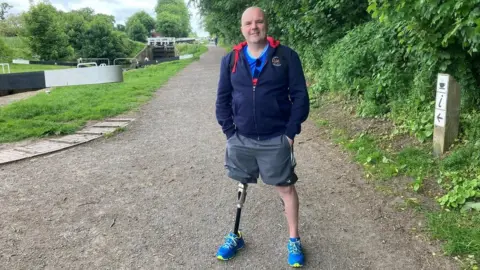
242,193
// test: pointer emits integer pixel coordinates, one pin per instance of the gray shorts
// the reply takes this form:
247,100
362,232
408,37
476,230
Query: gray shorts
273,160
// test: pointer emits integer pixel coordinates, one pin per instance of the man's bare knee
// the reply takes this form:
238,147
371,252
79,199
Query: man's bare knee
287,190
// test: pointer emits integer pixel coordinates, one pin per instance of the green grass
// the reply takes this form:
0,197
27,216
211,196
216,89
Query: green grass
188,48
67,109
227,46
416,161
138,47
17,68
459,232
377,163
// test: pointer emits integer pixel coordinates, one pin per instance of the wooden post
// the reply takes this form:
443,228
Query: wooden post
447,113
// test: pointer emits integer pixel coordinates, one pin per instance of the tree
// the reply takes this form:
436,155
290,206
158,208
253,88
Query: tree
102,41
78,22
4,7
222,17
121,28
45,32
146,20
173,18
5,52
108,19
76,25
86,13
137,31
12,26
139,25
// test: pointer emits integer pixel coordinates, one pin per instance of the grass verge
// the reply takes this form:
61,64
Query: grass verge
137,48
188,48
18,68
227,46
460,233
66,109
406,167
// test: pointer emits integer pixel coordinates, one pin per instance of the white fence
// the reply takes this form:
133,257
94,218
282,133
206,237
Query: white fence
102,61
3,67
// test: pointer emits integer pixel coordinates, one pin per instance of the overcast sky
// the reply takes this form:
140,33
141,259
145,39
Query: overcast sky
121,9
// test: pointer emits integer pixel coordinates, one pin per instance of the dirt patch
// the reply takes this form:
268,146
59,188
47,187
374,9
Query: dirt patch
5,100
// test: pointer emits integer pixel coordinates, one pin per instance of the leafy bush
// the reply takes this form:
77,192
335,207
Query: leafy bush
5,52
19,47
444,36
367,62
470,125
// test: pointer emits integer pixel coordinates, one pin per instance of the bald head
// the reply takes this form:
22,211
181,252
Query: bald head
254,25
253,10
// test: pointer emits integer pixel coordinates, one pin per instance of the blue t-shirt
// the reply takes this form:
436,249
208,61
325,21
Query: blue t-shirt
252,61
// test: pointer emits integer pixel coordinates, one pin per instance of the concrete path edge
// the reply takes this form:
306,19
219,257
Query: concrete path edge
54,144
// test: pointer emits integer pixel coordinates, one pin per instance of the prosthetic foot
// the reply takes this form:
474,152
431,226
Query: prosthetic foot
234,240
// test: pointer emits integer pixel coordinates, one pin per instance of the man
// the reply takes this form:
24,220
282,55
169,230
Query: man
262,100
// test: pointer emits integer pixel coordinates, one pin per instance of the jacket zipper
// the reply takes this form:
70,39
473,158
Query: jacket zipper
254,86
254,113
254,106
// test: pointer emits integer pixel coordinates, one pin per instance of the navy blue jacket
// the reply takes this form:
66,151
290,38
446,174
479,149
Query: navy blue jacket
274,104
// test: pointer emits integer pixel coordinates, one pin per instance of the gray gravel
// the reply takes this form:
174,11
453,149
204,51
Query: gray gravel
156,197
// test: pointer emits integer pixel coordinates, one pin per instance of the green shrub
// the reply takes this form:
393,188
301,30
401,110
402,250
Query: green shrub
5,52
367,62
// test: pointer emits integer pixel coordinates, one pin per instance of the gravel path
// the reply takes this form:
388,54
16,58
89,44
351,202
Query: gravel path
156,197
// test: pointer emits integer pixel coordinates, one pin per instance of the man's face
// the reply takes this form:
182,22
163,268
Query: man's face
254,27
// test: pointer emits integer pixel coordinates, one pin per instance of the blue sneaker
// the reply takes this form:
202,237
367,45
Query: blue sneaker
232,244
295,253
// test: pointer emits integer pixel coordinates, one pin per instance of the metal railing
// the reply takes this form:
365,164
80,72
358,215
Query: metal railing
131,60
3,67
87,64
161,41
84,60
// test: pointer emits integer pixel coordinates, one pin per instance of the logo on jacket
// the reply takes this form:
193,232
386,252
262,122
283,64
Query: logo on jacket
276,61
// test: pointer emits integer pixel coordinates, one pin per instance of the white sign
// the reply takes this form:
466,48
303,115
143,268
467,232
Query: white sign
442,83
185,56
439,118
441,101
20,61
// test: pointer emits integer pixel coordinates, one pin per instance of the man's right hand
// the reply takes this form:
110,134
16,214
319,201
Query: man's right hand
290,141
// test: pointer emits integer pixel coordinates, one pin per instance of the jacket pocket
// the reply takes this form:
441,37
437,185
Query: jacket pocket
284,106
234,107
271,109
